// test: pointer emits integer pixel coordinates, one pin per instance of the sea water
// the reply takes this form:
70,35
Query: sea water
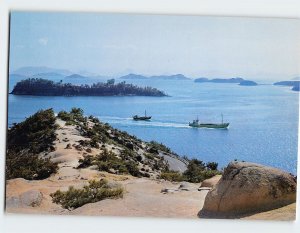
263,119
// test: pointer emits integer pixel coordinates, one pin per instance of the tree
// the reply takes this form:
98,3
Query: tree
110,81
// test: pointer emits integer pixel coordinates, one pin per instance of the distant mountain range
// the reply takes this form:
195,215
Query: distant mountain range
160,77
35,70
75,76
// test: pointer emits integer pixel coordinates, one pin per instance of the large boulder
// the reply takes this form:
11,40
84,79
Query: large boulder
247,188
211,182
30,198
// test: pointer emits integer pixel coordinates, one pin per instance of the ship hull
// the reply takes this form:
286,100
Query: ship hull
141,118
211,126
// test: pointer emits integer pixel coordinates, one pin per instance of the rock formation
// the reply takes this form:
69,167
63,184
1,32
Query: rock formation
246,188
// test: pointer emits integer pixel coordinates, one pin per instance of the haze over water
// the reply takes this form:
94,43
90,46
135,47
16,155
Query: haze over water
263,119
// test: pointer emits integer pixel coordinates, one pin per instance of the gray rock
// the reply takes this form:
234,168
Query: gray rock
93,167
30,198
168,190
247,188
185,186
211,182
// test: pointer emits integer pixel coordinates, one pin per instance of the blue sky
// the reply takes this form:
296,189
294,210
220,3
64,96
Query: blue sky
196,46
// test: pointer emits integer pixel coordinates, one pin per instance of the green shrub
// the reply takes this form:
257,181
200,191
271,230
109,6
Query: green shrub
132,169
108,160
65,116
94,142
212,166
173,176
36,133
155,147
25,141
28,166
197,171
93,192
86,161
72,117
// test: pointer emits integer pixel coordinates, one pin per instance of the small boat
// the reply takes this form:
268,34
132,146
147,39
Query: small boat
141,118
196,124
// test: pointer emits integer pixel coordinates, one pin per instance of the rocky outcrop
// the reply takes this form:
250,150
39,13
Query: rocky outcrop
247,188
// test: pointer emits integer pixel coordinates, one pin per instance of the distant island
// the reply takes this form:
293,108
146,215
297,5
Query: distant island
293,84
75,77
238,80
44,87
248,83
219,80
158,77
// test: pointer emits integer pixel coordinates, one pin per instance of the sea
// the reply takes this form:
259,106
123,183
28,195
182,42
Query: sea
263,119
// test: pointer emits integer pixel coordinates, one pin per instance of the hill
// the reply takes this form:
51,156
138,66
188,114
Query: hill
75,76
34,70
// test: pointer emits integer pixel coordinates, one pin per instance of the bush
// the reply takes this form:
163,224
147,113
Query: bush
108,160
197,171
72,117
212,166
173,176
132,169
36,133
93,192
94,142
25,141
155,147
29,167
65,116
86,161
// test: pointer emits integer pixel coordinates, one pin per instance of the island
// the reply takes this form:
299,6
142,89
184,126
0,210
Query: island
155,77
238,80
75,77
293,84
219,80
44,87
248,83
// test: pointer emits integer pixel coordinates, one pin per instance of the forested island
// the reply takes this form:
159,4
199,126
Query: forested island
247,83
219,80
294,84
44,87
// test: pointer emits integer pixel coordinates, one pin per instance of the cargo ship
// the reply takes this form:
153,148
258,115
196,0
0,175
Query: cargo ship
141,118
197,124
